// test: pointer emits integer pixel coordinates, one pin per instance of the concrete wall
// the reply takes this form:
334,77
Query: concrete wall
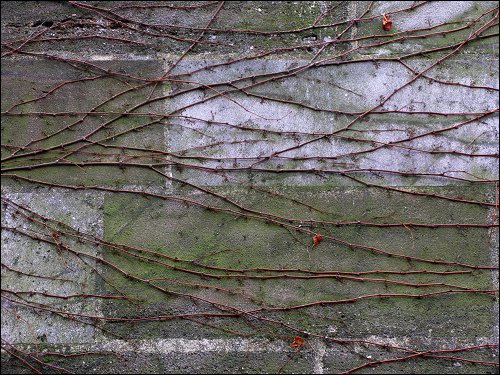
384,127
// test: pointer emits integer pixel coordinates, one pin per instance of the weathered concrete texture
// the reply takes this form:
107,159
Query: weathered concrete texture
72,275
494,241
326,88
437,16
221,240
188,356
433,14
189,248
337,359
164,27
30,79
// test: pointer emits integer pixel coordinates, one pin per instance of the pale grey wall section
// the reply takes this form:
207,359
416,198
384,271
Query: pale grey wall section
82,211
372,81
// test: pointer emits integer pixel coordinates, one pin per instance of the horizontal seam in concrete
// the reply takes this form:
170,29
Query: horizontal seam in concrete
164,346
186,345
200,56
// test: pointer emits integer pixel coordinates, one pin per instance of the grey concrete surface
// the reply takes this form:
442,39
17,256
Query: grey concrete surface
187,232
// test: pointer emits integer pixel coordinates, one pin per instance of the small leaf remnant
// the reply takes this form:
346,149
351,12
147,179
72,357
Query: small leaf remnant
297,342
386,22
317,239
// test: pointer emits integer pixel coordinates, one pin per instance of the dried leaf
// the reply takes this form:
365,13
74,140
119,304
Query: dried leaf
386,22
317,239
297,342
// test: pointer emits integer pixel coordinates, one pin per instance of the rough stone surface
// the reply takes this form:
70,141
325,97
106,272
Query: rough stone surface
182,234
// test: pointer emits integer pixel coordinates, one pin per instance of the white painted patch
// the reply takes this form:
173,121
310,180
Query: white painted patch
112,57
190,346
319,352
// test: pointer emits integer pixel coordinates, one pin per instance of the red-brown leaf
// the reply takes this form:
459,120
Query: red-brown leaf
297,342
386,22
317,239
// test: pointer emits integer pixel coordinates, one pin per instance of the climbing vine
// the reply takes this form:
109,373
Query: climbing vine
271,172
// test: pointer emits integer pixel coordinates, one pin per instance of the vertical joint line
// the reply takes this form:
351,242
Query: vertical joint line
352,13
319,349
166,90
